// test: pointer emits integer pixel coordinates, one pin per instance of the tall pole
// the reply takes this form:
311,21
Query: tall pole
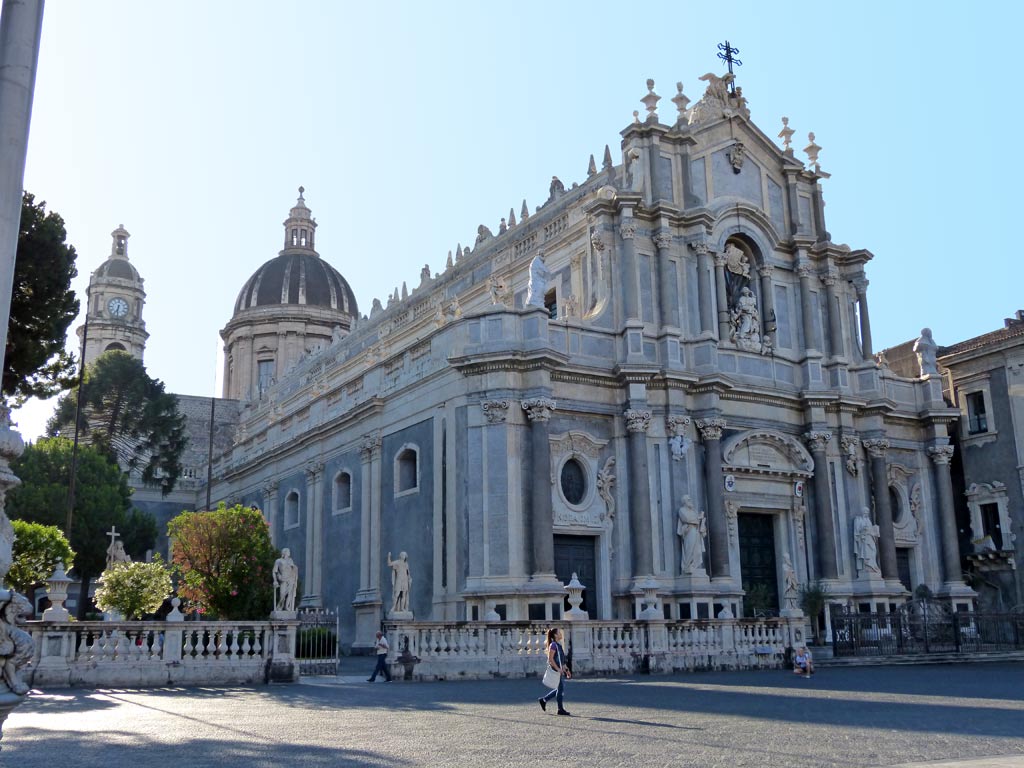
78,416
209,454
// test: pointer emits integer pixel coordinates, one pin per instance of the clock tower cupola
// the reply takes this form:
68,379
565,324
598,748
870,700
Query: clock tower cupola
115,302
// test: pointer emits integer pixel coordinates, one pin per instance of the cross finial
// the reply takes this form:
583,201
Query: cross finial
726,52
113,534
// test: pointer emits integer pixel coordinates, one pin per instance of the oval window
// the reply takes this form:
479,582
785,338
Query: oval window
574,482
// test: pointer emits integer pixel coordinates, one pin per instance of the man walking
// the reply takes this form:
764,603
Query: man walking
382,656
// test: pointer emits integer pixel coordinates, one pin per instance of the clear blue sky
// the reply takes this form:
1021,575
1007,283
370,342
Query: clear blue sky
411,123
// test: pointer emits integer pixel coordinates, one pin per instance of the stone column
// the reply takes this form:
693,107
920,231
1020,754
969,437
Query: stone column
718,526
707,322
313,596
941,455
807,306
825,551
668,299
637,422
723,299
835,320
630,300
865,323
541,517
270,508
369,450
768,322
883,509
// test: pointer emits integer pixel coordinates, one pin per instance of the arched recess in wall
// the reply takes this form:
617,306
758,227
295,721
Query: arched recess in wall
407,469
291,509
342,492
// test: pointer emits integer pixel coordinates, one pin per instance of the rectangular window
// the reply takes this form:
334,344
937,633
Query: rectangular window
977,419
990,523
551,304
265,376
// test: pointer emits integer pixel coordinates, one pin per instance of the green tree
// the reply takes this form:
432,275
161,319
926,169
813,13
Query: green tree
102,500
224,561
129,416
134,589
43,306
37,550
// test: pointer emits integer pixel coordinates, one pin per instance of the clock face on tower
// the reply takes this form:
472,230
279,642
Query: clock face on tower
118,307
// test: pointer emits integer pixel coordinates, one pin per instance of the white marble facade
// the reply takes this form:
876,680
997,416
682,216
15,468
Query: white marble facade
710,341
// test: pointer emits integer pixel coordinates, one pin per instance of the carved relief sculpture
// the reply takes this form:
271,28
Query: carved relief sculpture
849,444
679,443
691,527
496,411
605,484
501,293
16,646
539,408
865,544
736,155
637,420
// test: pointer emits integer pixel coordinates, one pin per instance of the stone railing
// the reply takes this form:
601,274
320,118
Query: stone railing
434,650
156,653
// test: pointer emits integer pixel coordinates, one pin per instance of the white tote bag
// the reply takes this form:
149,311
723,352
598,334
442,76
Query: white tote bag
551,677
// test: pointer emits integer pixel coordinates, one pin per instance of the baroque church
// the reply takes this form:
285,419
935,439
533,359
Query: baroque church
660,378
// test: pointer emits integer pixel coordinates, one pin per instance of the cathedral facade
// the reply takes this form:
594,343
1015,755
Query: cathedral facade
663,376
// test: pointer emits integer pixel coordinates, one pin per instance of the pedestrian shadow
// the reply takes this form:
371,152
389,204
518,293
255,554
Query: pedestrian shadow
646,723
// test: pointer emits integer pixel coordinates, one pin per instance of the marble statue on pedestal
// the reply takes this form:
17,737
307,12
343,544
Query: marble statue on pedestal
865,544
539,277
286,581
925,347
401,583
691,526
746,322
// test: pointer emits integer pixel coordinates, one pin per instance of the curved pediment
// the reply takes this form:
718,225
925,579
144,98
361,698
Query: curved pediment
766,452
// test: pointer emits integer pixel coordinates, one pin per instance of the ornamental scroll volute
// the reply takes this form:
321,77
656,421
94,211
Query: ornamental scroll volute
581,481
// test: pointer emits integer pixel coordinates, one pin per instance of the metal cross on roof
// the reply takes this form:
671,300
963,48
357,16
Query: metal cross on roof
726,52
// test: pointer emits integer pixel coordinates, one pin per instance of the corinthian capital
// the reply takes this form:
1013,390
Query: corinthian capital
816,440
766,270
876,448
496,411
314,471
637,420
663,240
941,454
711,429
627,229
270,489
539,408
804,270
700,247
369,449
830,278
677,425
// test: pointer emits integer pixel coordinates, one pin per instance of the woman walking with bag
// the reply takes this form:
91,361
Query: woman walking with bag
556,672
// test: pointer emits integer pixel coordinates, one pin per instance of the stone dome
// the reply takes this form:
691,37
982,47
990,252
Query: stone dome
298,276
119,268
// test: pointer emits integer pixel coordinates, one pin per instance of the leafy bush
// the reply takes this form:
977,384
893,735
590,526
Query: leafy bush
37,550
134,589
224,561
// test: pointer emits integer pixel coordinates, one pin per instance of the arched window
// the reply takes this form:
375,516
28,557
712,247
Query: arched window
407,470
115,346
291,510
342,492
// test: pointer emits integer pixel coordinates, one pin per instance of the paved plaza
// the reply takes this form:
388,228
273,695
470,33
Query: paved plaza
963,715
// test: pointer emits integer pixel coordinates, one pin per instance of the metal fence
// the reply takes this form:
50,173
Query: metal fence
317,647
924,627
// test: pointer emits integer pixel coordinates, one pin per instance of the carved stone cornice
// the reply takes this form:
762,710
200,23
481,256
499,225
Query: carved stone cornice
496,411
817,440
627,229
941,454
663,241
876,448
677,424
369,449
711,429
539,408
637,420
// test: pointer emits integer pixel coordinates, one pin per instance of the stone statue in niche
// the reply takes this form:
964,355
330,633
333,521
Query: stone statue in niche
539,277
746,322
925,348
692,527
401,583
865,544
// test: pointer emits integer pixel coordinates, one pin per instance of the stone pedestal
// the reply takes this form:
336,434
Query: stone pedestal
57,591
400,616
649,606
368,618
284,615
283,668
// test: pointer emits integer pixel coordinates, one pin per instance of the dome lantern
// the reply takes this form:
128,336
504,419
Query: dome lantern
300,227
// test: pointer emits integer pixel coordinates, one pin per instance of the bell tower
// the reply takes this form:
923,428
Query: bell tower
115,301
